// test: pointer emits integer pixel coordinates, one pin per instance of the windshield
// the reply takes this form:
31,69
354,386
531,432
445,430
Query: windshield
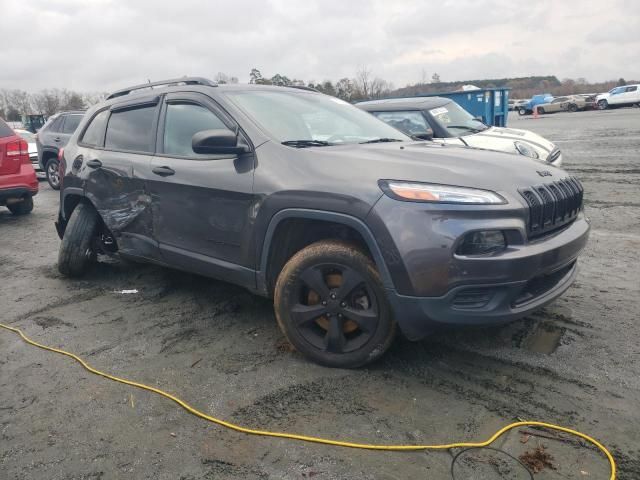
310,119
456,120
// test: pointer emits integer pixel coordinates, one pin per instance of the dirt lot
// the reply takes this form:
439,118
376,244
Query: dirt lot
576,363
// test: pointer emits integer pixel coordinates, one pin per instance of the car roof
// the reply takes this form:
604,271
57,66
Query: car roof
410,103
200,88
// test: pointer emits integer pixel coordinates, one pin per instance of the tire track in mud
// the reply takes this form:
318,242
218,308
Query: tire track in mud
300,399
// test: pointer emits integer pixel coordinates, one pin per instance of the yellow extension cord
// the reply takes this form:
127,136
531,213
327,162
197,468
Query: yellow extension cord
324,441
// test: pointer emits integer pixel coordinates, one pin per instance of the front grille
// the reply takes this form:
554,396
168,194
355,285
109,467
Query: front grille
552,205
538,286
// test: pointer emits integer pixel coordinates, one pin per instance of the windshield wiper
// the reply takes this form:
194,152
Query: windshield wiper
306,143
382,140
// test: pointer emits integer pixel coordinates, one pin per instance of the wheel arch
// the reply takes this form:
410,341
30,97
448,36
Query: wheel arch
317,225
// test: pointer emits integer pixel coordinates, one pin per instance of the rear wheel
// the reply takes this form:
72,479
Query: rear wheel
603,104
331,305
522,111
77,250
53,173
23,207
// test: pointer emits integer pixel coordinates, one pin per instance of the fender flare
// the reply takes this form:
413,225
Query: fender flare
347,220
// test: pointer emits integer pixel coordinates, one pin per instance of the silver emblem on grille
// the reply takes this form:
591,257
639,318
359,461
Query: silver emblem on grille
544,173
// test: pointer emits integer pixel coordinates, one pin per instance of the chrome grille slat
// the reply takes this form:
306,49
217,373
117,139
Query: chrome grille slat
552,205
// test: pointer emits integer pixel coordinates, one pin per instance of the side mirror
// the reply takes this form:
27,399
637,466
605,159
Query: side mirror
220,141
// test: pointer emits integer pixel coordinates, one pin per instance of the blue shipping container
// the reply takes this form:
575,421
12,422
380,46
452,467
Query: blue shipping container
491,104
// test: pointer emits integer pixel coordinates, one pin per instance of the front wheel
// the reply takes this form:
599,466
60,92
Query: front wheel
53,173
603,104
540,110
573,107
331,305
77,250
522,111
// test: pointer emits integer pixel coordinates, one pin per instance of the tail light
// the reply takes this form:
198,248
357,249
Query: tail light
18,149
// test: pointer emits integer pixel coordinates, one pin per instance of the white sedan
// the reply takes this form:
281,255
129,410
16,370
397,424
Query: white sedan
33,150
443,120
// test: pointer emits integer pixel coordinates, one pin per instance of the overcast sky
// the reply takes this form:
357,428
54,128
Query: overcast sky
100,45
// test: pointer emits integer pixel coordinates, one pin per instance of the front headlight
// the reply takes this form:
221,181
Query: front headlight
526,150
434,193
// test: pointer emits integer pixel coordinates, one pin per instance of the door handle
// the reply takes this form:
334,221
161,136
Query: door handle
94,163
163,171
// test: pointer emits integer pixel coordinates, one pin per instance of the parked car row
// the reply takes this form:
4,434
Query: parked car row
354,228
623,96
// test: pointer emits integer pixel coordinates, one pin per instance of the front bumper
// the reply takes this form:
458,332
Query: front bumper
484,305
442,288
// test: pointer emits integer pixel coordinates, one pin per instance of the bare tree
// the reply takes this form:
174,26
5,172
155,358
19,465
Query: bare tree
363,81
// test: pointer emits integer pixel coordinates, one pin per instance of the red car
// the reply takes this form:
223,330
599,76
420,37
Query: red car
18,182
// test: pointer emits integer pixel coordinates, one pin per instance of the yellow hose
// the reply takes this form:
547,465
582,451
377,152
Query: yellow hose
324,441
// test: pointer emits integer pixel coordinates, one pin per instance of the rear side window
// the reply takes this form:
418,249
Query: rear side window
56,125
131,130
71,123
94,134
632,89
183,120
5,130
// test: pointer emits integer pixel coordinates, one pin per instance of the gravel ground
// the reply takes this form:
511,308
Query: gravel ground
577,362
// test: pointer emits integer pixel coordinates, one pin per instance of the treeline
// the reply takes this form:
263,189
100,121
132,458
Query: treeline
363,86
15,103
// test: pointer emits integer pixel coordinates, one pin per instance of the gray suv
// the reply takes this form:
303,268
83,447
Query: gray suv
351,227
51,138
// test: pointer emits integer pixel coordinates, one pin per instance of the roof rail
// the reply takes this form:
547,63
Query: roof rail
303,87
174,81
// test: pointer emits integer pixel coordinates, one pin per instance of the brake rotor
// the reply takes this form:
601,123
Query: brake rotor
333,280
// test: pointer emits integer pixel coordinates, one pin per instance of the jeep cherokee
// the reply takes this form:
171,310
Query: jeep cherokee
350,226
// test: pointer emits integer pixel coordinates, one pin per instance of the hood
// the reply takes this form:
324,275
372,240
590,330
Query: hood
510,135
421,162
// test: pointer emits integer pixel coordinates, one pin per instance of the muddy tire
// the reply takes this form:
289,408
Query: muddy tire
77,248
332,307
23,207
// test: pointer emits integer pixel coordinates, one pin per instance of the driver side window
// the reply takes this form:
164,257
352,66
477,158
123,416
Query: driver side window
409,122
182,121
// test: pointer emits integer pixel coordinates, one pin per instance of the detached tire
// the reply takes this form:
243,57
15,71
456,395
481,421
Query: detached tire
332,307
76,250
23,207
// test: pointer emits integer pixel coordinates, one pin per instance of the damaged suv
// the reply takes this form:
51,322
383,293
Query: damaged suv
351,227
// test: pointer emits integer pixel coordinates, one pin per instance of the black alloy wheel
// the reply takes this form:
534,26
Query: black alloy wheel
331,305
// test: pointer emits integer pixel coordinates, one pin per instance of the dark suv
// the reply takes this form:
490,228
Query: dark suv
51,138
349,225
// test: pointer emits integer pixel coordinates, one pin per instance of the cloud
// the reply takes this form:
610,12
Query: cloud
101,45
